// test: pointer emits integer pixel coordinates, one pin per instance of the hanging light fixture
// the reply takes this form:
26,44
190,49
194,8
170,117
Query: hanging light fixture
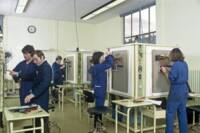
76,25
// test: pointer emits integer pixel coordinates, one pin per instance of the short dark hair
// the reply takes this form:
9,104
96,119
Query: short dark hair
28,49
176,55
39,53
58,57
96,57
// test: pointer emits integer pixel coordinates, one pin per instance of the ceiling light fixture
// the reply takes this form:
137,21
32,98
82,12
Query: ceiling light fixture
102,8
21,5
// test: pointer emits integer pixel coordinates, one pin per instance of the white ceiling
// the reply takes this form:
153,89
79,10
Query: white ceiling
64,9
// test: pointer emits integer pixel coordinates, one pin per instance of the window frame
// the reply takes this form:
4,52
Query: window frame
149,33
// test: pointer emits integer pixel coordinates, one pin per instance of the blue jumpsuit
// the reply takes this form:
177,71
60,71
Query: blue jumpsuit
177,99
41,85
99,80
57,74
26,75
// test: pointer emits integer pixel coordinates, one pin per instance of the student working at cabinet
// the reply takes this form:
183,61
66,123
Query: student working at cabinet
101,62
178,94
25,73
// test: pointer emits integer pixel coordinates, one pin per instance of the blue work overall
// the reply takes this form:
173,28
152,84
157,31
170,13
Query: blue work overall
26,76
178,95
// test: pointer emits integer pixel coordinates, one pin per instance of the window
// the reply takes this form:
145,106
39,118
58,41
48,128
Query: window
135,23
140,26
128,27
152,19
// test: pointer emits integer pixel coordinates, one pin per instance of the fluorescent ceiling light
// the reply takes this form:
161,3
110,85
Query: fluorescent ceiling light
101,9
21,5
88,17
115,3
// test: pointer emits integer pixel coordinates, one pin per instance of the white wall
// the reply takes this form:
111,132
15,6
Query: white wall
50,34
109,33
16,36
178,23
67,38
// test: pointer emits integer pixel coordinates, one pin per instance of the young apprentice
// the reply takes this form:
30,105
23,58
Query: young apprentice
25,72
40,91
58,71
101,63
178,94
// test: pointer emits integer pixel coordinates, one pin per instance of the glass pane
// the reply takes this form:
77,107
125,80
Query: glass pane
153,18
153,38
128,26
135,23
128,40
145,21
133,39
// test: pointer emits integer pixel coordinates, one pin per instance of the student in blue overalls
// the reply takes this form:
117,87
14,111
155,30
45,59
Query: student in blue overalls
178,94
101,62
39,93
58,74
25,72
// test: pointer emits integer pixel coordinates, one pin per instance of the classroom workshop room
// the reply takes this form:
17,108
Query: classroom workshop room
99,66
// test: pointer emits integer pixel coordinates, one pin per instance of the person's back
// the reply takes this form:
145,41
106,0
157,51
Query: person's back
182,73
178,94
41,85
178,77
99,79
57,71
99,76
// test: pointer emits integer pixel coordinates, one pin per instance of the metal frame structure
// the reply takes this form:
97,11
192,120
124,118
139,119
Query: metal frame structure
140,23
14,117
131,68
140,76
79,67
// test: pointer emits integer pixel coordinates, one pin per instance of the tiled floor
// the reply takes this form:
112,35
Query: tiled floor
70,121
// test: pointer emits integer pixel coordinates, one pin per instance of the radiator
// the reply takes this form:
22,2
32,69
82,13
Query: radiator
194,80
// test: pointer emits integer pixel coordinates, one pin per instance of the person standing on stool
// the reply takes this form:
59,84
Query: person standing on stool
40,92
101,63
178,94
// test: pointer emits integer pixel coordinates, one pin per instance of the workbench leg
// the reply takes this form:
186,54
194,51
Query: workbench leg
141,124
8,127
59,98
154,125
42,125
34,125
135,119
11,127
62,99
80,101
128,120
80,107
193,119
116,118
1,119
76,99
154,119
